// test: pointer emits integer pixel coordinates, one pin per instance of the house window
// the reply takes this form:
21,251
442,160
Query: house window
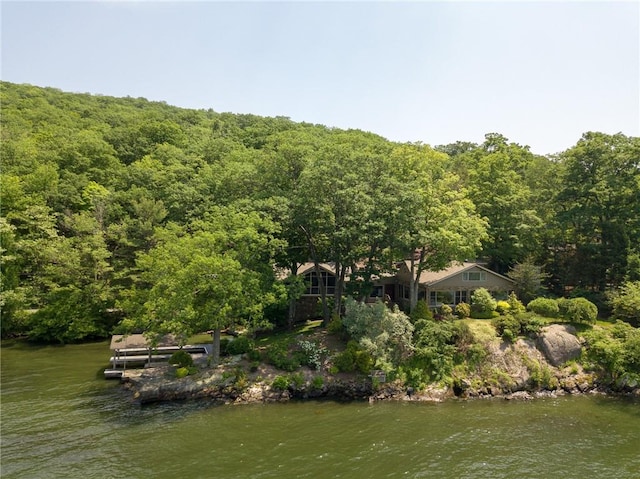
432,298
313,284
474,276
462,297
440,297
405,291
377,292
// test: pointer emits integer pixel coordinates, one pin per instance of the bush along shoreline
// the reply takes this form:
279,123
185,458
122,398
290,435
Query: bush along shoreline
512,356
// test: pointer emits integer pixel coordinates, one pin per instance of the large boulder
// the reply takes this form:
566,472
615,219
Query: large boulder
559,343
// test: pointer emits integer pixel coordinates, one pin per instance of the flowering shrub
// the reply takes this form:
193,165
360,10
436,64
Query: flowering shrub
312,354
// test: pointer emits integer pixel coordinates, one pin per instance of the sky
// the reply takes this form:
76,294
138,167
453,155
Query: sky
539,73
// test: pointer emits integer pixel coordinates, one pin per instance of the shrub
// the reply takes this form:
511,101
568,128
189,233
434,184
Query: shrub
482,302
181,358
335,326
182,372
503,307
506,322
240,345
240,380
224,344
484,315
578,310
386,334
280,383
254,354
462,334
544,307
446,312
614,353
530,324
312,354
435,348
296,380
515,305
421,311
508,335
626,303
278,355
463,310
317,383
354,358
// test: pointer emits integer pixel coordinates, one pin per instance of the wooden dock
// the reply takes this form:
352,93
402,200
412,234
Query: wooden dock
133,351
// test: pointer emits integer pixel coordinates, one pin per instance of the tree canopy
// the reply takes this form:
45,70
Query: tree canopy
123,206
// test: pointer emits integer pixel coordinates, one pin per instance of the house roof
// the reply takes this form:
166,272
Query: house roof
330,268
430,278
304,268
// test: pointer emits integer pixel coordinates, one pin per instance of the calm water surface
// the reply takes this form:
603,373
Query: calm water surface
60,419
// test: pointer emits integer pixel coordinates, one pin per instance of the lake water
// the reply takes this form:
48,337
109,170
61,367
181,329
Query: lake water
61,419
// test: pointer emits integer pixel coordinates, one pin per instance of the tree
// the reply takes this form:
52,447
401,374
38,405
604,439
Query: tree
384,333
528,279
441,225
599,210
498,189
193,288
626,303
217,277
335,205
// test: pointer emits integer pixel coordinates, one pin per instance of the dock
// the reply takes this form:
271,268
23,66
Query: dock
134,351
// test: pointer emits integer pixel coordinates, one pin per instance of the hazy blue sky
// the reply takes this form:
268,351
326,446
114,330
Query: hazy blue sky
540,73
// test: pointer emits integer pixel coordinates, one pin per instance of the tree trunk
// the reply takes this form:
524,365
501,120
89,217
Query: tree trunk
293,301
292,313
323,293
416,271
340,275
215,353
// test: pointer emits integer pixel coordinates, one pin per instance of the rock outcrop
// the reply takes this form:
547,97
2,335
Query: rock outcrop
559,343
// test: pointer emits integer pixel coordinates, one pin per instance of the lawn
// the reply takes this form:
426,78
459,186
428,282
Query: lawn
269,337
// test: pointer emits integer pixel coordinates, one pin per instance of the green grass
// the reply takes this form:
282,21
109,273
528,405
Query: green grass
482,330
304,329
204,338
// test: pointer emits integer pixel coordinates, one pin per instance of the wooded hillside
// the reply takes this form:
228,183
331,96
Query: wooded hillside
173,218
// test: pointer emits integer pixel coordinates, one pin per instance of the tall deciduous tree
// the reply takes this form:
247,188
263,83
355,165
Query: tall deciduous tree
498,188
217,277
442,225
599,208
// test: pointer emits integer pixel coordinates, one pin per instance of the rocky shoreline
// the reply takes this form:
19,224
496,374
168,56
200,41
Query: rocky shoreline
523,370
223,386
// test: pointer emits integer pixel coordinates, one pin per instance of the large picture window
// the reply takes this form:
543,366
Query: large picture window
440,297
313,284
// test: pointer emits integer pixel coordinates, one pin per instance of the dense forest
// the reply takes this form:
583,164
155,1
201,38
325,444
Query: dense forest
121,212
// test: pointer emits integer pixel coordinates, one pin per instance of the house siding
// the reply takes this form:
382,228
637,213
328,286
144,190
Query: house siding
492,282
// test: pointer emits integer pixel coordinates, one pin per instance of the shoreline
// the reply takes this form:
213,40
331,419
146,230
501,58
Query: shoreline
229,384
